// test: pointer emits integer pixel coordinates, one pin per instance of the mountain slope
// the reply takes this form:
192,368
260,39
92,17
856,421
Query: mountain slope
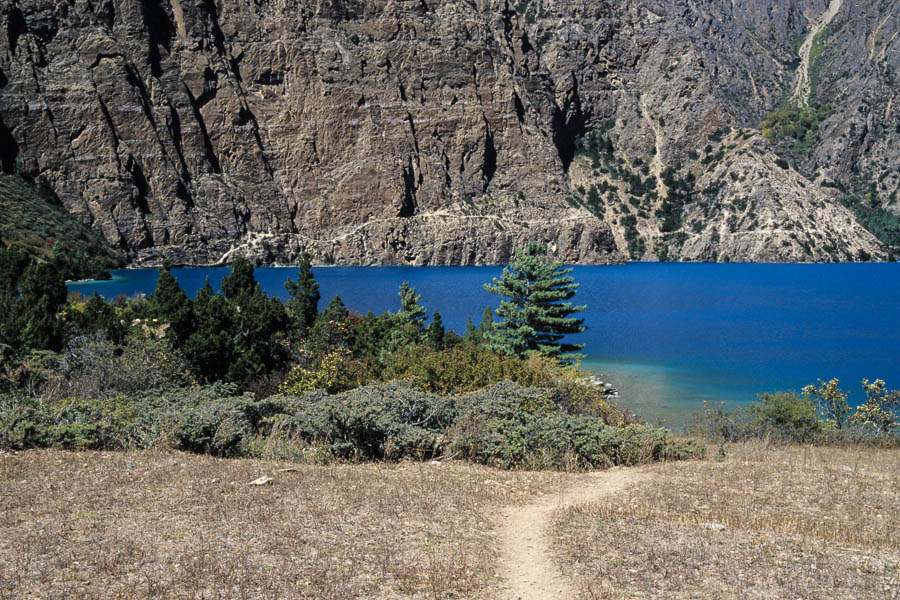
451,132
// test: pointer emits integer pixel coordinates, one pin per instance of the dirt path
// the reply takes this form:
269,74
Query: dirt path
802,88
526,561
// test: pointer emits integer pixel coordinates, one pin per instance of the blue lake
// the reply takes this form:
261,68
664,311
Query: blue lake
669,336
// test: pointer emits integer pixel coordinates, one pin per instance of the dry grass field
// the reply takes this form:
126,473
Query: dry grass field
802,523
764,523
165,525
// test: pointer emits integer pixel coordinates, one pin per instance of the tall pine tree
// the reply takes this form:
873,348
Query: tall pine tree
174,307
42,295
303,304
411,312
537,314
239,280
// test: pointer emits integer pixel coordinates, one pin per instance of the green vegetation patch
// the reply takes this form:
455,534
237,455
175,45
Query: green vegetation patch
32,217
881,223
819,415
794,130
636,244
504,425
680,193
818,63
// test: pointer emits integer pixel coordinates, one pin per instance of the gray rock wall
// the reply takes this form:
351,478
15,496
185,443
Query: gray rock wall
423,132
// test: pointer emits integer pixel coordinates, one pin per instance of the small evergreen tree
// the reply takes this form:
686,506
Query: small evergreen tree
42,294
436,332
331,329
471,334
303,304
43,280
259,344
409,323
210,348
537,315
240,279
411,311
99,316
487,320
174,307
13,262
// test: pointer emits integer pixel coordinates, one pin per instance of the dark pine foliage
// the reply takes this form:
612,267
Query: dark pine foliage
537,314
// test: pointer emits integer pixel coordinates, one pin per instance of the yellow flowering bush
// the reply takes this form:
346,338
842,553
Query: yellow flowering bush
333,371
881,410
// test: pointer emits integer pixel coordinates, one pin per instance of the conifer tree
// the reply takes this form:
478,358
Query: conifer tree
98,315
411,312
13,262
259,343
210,348
471,331
239,280
487,320
174,307
409,323
436,332
537,314
303,304
331,329
42,294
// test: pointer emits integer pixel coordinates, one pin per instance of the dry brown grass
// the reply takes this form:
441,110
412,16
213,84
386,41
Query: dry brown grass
167,525
798,523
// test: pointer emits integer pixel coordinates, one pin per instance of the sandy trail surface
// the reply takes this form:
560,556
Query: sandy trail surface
526,562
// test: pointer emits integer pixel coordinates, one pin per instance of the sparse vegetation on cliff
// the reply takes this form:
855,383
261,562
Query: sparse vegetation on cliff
794,130
33,219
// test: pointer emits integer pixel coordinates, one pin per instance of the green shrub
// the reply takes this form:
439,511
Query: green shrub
560,427
467,367
794,130
70,424
786,416
217,428
93,367
513,427
388,421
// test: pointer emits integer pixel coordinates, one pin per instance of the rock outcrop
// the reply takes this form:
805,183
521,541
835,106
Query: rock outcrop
451,132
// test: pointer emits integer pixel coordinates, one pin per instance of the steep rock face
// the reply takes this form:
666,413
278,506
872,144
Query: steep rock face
422,132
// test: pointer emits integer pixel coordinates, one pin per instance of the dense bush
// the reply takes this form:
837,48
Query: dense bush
882,223
794,130
510,426
92,366
467,367
785,416
505,425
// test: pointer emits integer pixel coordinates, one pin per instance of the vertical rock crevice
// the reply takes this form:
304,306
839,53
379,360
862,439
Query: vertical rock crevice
211,157
409,204
569,123
489,163
9,149
15,28
160,31
139,179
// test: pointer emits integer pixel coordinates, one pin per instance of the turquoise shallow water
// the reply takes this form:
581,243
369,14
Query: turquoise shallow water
668,336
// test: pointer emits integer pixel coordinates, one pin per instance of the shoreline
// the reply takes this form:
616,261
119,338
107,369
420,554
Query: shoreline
379,266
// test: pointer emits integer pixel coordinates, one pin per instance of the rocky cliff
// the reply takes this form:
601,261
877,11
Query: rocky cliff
450,132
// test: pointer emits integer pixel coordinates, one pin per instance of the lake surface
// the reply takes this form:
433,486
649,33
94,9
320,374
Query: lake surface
669,336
